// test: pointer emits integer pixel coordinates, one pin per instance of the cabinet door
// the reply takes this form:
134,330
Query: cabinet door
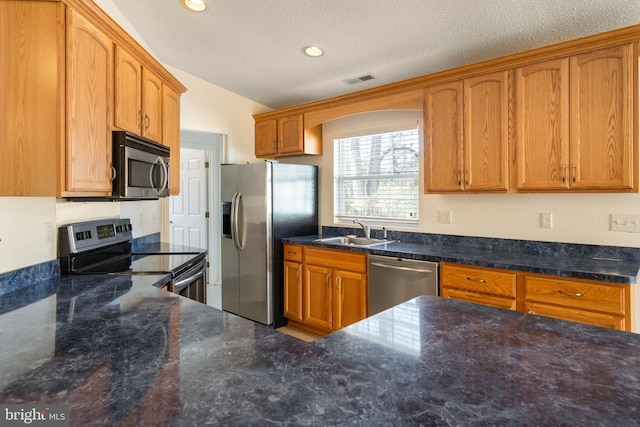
151,106
31,101
89,65
318,296
291,134
171,135
542,125
580,316
490,300
443,138
486,132
602,119
293,290
266,138
350,300
128,92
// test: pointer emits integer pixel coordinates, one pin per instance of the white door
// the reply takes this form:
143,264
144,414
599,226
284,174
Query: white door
188,210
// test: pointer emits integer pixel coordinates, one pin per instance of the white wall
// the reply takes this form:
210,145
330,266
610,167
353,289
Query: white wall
577,218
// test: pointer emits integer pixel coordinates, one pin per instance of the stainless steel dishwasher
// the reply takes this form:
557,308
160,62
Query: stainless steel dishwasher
393,281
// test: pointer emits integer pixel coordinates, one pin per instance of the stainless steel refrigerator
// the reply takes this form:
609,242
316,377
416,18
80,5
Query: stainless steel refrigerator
261,204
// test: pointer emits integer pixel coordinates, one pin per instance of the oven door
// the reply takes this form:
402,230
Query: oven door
146,174
192,283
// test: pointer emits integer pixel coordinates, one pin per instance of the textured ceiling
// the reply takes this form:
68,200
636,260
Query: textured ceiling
254,47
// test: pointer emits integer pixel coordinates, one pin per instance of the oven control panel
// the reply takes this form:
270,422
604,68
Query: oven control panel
88,235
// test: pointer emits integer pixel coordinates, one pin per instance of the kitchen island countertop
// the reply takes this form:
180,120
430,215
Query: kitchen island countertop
120,351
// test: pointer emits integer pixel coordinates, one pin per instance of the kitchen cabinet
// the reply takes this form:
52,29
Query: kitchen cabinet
334,289
89,103
171,135
286,136
488,286
293,282
574,122
595,303
467,135
59,62
138,97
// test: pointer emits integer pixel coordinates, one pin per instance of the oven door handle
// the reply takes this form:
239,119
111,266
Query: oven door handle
177,286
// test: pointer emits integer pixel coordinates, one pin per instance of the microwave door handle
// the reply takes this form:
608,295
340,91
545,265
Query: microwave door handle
165,173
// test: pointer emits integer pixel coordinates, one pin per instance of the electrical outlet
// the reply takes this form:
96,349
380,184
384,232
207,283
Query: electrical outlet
445,217
546,220
628,223
48,232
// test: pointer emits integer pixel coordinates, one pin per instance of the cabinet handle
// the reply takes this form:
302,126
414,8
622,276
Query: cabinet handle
337,282
564,173
148,122
291,252
571,294
298,274
459,177
140,117
466,178
574,172
476,280
328,281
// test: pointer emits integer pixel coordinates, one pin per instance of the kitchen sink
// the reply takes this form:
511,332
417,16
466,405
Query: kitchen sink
353,241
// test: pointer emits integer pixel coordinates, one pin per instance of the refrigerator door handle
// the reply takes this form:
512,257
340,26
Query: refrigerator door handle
235,207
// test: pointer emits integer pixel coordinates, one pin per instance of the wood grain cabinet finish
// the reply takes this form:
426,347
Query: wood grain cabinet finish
89,104
594,303
575,123
62,77
32,96
334,289
171,135
467,135
488,286
138,98
293,282
286,136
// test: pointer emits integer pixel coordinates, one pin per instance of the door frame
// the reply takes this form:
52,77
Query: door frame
213,144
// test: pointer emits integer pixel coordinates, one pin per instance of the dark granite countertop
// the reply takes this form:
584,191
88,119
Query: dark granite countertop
601,266
121,352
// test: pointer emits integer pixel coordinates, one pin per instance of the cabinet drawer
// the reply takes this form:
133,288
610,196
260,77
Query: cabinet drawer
478,279
342,260
293,253
580,316
493,301
609,298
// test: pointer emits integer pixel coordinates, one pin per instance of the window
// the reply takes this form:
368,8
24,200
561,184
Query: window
376,176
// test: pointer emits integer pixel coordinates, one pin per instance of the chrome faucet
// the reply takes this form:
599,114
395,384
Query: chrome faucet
366,228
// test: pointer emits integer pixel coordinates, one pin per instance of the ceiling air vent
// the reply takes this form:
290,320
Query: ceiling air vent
359,79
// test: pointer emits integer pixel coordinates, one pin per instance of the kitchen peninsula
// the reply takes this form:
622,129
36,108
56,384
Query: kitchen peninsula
122,352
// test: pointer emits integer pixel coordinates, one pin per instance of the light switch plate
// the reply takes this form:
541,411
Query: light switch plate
445,217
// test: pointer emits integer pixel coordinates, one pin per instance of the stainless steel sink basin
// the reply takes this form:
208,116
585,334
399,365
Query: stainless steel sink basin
353,241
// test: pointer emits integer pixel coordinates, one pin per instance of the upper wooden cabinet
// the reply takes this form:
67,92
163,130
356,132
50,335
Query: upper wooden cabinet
286,136
171,135
575,123
63,71
89,82
467,135
138,98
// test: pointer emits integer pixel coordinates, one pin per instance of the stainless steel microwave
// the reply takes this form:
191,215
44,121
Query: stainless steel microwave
141,167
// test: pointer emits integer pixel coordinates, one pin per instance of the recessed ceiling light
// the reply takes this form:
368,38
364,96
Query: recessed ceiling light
195,5
313,51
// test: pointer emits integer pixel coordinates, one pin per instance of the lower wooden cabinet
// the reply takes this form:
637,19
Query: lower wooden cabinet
584,301
488,286
330,294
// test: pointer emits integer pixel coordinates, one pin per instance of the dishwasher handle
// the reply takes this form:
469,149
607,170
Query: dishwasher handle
394,267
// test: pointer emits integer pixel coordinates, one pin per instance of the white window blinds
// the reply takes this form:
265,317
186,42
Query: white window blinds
376,176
